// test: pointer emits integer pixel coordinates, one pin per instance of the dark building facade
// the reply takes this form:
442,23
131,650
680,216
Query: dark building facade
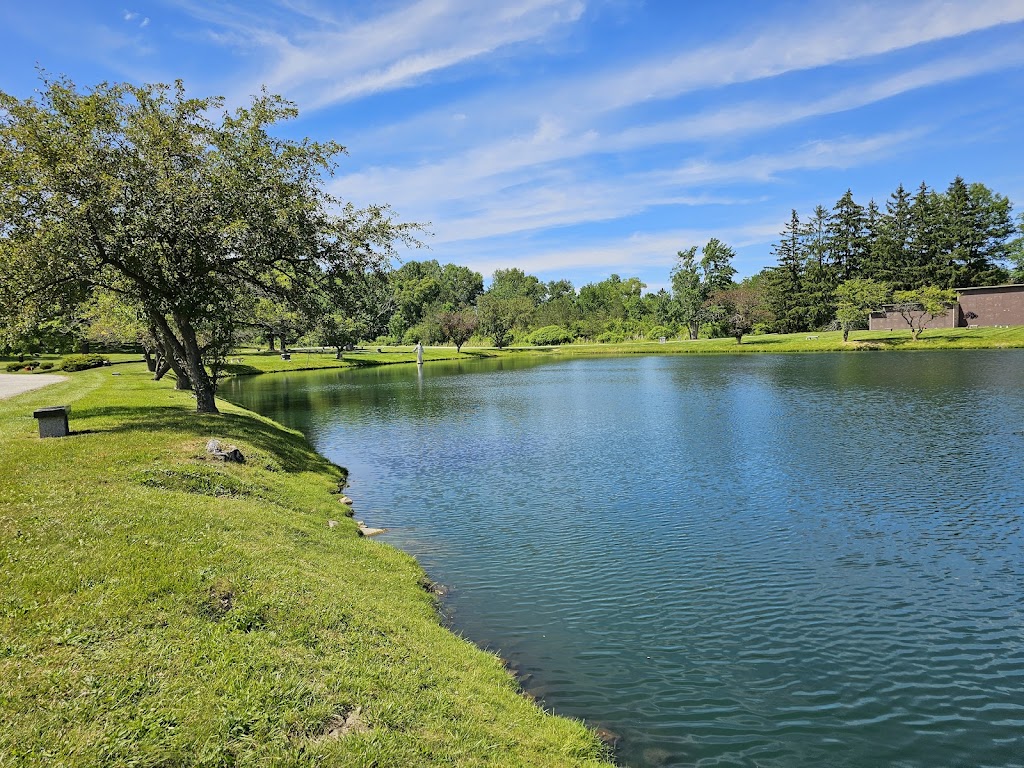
985,306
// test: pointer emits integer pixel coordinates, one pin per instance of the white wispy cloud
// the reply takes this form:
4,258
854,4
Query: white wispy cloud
856,32
339,59
562,198
483,170
133,17
626,254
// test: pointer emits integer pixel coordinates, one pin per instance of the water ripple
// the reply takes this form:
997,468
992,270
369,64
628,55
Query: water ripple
772,561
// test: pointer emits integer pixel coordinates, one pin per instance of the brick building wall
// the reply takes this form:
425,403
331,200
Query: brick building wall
891,320
997,305
987,306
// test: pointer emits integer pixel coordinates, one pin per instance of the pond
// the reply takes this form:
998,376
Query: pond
768,560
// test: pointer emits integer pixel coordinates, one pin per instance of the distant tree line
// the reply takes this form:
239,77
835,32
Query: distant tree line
962,237
832,268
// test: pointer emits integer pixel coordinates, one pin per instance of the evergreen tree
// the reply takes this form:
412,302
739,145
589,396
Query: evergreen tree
819,274
848,242
924,263
891,252
784,290
872,224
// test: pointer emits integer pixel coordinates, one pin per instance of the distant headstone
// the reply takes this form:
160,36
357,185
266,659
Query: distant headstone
286,356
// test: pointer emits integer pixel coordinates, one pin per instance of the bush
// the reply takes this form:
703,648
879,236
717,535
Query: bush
660,330
46,366
81,362
550,334
15,366
610,337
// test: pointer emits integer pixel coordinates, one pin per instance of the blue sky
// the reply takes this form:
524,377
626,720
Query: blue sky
577,138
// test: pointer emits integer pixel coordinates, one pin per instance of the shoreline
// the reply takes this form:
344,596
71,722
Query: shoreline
797,343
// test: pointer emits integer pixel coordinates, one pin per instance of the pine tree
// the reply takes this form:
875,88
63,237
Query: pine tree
785,293
924,267
819,274
891,253
847,240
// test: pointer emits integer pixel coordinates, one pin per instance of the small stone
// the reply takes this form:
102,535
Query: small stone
332,523
345,500
608,737
230,453
366,531
233,454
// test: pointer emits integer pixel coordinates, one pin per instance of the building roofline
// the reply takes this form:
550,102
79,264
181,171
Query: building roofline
989,287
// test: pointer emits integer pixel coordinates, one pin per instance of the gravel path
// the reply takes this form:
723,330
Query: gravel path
12,384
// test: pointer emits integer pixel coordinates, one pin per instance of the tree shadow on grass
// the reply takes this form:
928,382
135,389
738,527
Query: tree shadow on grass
291,449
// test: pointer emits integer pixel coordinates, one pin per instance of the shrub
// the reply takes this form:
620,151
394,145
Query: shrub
81,362
610,337
46,366
550,334
660,330
15,366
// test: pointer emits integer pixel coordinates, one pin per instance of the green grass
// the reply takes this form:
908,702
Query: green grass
832,341
161,609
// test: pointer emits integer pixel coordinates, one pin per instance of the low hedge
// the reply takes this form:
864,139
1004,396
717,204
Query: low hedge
82,362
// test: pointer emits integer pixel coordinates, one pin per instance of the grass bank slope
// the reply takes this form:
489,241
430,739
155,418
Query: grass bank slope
161,609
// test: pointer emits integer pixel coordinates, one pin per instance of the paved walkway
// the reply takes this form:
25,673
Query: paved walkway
12,384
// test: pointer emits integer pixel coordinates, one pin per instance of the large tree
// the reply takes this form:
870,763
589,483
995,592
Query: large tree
186,212
695,281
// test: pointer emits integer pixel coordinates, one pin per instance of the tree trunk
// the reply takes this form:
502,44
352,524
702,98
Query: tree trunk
458,349
270,343
694,330
162,367
846,334
186,360
202,383
150,362
337,354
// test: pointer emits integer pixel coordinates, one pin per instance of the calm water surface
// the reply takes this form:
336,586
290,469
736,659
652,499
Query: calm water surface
767,560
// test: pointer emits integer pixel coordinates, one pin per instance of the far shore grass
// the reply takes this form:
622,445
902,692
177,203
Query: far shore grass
159,608
830,341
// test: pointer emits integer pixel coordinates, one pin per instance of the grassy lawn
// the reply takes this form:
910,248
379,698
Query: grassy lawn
161,609
832,341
